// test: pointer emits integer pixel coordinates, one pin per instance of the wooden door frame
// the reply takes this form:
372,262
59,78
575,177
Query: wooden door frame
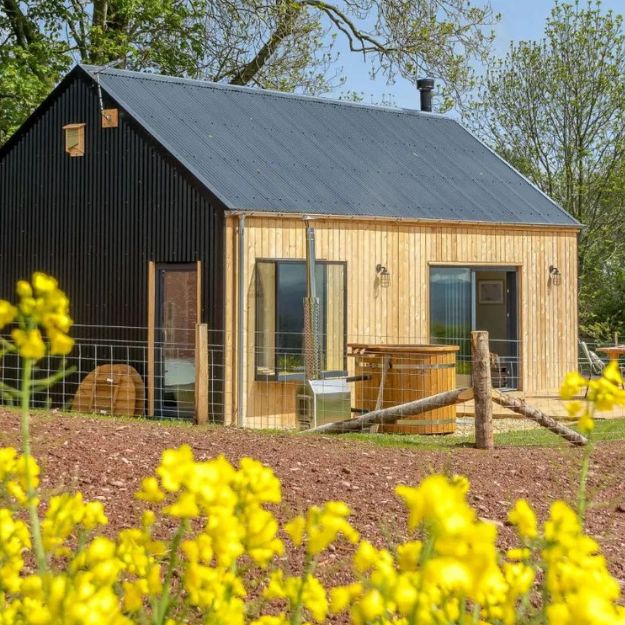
520,286
153,267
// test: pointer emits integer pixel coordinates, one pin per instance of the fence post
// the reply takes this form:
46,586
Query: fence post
201,373
482,390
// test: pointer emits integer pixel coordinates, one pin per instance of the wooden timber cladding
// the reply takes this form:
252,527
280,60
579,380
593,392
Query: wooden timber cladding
547,316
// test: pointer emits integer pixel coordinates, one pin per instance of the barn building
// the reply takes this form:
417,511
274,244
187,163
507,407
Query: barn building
163,202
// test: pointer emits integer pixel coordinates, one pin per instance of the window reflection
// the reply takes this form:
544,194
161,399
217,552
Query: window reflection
280,294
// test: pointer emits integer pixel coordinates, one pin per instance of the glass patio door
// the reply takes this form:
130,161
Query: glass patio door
452,311
177,303
477,298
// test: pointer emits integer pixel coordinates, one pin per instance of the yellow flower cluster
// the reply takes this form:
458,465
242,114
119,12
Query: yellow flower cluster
13,474
581,590
227,543
603,394
320,527
432,579
41,305
454,573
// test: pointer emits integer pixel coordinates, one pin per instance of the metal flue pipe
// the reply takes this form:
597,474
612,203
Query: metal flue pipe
312,352
425,86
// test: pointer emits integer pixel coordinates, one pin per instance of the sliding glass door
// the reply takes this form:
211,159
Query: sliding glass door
477,298
451,310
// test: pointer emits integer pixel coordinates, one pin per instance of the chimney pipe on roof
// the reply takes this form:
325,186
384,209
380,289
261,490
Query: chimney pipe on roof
425,86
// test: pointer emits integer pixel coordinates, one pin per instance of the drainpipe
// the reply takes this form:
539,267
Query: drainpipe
241,328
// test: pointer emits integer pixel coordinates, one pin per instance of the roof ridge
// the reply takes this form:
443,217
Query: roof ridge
94,70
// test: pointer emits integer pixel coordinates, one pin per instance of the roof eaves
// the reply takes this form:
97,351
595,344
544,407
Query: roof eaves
259,212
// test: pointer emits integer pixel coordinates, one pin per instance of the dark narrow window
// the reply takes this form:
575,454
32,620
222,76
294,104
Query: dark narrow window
280,293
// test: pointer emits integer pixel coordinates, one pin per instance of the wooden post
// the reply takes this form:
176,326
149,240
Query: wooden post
201,373
151,365
482,390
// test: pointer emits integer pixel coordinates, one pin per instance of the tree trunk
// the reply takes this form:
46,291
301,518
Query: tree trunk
482,390
283,30
393,414
520,407
23,28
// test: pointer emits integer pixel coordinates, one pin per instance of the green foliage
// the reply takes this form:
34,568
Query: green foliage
555,109
286,44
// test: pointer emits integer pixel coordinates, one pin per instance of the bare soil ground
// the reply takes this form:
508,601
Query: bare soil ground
106,459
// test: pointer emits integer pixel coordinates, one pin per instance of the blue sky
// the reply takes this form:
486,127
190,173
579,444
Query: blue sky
520,19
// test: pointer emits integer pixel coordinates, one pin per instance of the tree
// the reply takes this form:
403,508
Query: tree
283,44
555,109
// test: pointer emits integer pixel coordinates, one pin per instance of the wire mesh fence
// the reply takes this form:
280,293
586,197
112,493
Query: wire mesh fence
119,370
360,373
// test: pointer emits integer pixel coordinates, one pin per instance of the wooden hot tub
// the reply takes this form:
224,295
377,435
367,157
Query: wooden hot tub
410,372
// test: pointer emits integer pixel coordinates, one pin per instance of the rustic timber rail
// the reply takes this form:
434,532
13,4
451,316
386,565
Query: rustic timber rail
520,407
393,414
483,395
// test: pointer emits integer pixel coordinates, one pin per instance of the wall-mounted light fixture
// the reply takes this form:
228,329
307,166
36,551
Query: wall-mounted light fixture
554,275
384,276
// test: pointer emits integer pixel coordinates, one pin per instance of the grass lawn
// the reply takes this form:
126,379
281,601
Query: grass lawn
607,430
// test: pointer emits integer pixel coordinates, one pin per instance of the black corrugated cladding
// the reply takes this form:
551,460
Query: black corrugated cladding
95,221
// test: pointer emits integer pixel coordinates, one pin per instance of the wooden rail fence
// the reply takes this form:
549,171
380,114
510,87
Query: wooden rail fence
483,395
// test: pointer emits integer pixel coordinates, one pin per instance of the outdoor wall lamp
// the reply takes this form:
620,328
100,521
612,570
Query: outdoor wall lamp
554,275
384,276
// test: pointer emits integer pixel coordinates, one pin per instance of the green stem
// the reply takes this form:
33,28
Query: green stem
164,604
296,612
582,497
426,553
40,554
42,383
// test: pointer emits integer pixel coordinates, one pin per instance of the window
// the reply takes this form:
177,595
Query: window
75,139
280,293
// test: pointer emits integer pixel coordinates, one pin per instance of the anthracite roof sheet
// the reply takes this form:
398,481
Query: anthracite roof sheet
261,150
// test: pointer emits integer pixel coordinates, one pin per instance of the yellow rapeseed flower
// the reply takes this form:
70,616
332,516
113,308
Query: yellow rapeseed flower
24,289
44,284
295,529
524,519
604,395
60,343
29,343
8,312
324,524
586,423
42,308
150,491
573,383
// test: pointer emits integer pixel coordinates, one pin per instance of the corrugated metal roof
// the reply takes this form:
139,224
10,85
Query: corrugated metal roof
267,151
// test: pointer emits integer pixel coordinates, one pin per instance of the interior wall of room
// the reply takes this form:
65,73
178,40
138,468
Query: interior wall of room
490,316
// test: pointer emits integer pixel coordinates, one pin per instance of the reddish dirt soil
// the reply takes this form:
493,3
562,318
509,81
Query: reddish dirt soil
106,459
